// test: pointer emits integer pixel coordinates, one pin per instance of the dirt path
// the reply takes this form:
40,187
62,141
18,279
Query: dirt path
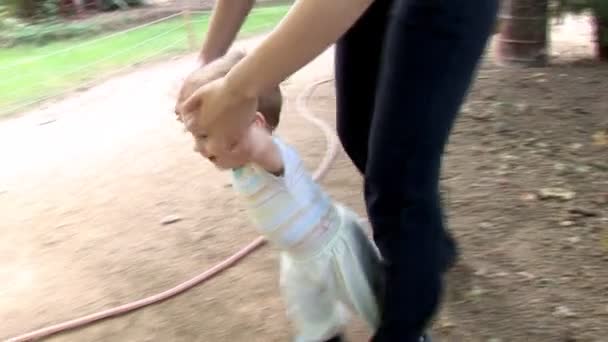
90,181
86,183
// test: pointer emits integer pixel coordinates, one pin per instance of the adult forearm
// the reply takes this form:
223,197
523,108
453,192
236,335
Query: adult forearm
309,28
226,20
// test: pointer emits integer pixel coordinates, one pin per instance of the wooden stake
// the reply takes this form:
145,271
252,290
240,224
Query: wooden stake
189,28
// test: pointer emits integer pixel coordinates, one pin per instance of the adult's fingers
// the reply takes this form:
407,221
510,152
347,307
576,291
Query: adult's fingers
193,102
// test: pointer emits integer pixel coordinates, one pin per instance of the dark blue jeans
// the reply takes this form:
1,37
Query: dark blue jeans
402,73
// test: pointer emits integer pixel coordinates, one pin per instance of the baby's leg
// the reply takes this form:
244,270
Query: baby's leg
360,268
311,303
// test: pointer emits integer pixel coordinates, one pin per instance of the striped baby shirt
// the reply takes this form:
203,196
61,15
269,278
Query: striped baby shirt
291,210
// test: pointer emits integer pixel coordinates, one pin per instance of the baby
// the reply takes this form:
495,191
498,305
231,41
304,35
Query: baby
328,265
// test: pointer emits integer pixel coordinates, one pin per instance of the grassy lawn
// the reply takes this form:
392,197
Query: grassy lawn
31,74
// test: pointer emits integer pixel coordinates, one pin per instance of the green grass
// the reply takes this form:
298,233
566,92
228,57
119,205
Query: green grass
30,74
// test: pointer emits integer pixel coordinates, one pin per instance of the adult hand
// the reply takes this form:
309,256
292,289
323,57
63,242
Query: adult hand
202,61
183,89
221,112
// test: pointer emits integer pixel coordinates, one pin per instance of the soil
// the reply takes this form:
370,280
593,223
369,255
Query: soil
88,184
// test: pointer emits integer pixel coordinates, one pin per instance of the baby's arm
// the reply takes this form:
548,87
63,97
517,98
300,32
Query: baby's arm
267,154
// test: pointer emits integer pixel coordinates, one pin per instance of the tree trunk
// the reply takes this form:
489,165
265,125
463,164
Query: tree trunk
601,37
523,35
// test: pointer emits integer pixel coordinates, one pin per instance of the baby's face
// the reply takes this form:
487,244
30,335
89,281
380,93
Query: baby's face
237,156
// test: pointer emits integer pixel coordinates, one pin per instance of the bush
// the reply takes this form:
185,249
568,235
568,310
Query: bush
109,5
32,9
48,9
16,32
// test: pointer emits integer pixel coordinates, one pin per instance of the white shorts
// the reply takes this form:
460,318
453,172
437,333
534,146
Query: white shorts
344,276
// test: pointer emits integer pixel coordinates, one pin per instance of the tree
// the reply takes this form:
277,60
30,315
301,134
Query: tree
523,34
45,9
32,9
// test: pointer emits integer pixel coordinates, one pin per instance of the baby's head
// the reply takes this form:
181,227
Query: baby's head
268,111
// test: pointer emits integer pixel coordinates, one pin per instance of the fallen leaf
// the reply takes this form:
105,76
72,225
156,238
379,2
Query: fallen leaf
535,75
583,212
485,225
573,239
481,272
46,122
477,291
447,324
556,193
563,311
170,219
528,196
600,138
527,275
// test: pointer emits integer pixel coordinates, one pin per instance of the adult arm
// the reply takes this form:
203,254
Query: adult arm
227,18
225,107
309,28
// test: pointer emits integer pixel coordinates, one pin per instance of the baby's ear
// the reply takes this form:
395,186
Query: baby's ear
260,120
